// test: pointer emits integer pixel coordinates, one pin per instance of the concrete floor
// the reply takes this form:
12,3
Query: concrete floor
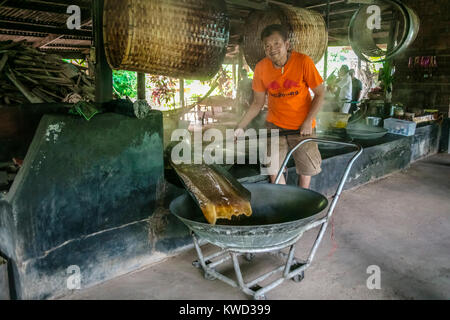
400,223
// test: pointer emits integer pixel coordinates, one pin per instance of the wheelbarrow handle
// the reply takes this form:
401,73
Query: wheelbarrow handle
338,191
358,152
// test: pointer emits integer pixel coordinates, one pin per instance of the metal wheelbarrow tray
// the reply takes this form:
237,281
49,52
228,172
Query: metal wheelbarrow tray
281,214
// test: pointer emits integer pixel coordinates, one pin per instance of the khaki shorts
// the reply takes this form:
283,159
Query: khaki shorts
307,157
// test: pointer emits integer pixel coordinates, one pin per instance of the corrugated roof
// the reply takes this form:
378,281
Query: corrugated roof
43,22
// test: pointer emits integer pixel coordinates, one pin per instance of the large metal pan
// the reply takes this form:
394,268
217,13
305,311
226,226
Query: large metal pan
280,216
364,132
280,213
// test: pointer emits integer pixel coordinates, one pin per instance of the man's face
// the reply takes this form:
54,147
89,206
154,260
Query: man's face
276,48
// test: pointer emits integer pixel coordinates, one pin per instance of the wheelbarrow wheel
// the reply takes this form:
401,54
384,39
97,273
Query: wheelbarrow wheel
260,297
249,256
198,265
209,276
299,277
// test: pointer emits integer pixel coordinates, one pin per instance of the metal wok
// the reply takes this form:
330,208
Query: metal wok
280,213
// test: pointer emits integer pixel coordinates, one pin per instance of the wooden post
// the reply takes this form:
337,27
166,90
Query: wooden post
182,92
325,59
141,86
234,76
240,63
237,104
103,73
359,65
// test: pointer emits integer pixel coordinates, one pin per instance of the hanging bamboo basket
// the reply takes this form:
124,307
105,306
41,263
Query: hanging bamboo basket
307,32
181,39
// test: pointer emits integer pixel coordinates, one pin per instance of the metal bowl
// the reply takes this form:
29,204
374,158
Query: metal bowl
364,132
280,213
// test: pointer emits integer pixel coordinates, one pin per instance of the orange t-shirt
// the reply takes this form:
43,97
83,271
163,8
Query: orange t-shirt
289,97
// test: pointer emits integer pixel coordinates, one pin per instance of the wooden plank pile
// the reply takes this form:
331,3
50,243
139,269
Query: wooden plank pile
28,75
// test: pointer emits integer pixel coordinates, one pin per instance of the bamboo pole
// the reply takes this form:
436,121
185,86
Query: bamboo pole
103,73
141,86
182,93
325,62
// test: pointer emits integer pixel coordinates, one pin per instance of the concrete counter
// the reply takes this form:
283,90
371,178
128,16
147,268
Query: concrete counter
82,202
380,157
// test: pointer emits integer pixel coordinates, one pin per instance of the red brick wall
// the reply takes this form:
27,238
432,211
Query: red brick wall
411,87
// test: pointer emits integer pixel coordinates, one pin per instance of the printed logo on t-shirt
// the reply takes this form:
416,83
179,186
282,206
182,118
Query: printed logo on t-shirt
287,85
274,85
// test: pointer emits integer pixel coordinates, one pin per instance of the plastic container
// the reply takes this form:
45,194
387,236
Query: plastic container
401,127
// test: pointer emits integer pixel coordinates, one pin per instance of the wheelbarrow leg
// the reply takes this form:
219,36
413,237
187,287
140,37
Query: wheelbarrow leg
207,275
240,279
287,268
291,265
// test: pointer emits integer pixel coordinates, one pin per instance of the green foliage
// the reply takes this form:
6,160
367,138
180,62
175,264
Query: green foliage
386,76
163,90
125,83
195,97
224,78
78,62
338,56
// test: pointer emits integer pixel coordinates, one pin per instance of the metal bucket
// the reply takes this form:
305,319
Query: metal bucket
373,121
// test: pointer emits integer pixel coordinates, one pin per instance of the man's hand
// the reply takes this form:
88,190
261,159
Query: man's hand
306,128
238,132
319,95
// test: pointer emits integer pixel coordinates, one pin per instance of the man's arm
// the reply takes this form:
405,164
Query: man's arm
253,111
319,95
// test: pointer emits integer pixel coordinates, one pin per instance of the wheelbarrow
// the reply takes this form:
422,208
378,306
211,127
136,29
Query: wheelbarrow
281,214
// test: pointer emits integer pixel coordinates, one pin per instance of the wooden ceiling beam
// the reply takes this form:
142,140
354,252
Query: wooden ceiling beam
260,5
42,7
81,4
53,37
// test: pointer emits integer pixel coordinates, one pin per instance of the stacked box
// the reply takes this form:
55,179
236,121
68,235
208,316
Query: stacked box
401,127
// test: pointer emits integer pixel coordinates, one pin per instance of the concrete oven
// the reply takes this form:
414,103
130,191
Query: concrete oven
83,204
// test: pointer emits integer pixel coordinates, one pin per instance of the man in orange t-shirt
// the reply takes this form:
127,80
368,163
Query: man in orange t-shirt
286,76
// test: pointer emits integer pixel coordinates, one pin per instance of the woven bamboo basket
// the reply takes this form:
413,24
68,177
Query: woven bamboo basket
307,32
175,38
